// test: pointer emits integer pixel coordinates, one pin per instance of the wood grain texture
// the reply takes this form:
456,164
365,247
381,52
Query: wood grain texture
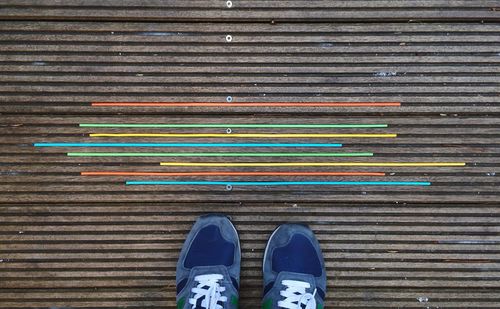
72,241
215,10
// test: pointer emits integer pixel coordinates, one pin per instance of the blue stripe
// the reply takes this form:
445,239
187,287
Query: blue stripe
283,183
180,145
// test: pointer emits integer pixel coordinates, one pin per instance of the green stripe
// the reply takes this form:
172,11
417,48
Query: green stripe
228,125
234,301
180,303
268,304
218,154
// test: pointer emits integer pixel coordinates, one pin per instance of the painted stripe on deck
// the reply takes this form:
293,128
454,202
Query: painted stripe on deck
283,183
402,164
250,104
246,135
222,173
218,154
229,125
186,145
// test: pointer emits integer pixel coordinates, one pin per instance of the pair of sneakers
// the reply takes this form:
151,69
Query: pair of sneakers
208,270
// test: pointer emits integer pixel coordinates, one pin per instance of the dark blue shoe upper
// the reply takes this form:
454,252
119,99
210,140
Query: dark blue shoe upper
293,253
209,248
298,256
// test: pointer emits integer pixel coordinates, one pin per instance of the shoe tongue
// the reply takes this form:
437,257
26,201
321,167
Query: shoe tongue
210,292
208,270
297,277
199,303
205,270
304,278
286,275
219,269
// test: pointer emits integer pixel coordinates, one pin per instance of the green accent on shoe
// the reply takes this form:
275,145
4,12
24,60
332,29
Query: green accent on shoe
234,301
267,304
320,306
181,303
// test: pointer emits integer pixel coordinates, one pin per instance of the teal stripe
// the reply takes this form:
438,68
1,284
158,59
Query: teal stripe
218,154
283,183
185,145
228,125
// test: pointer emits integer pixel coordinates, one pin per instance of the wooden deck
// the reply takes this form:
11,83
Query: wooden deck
398,235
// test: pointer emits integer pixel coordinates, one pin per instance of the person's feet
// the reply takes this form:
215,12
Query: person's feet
294,269
208,270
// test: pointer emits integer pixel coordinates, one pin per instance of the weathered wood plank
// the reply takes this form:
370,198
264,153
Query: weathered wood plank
396,262
92,242
252,10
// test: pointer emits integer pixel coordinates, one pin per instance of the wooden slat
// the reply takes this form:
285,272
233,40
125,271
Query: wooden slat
61,67
75,241
251,10
383,265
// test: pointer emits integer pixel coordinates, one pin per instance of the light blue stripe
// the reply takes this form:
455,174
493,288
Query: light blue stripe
180,145
283,183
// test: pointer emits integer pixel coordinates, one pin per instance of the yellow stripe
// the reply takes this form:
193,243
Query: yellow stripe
313,163
291,135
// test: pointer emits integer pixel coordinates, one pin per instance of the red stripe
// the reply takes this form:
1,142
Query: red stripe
251,104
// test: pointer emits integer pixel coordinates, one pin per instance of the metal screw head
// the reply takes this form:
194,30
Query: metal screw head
229,4
229,187
229,131
229,38
229,99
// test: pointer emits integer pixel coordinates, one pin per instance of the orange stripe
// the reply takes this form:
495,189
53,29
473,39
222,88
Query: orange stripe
232,174
254,104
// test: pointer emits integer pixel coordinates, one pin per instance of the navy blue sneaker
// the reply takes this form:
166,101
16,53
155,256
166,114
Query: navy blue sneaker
294,270
208,270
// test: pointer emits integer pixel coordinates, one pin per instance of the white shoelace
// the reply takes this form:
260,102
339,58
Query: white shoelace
295,295
210,289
